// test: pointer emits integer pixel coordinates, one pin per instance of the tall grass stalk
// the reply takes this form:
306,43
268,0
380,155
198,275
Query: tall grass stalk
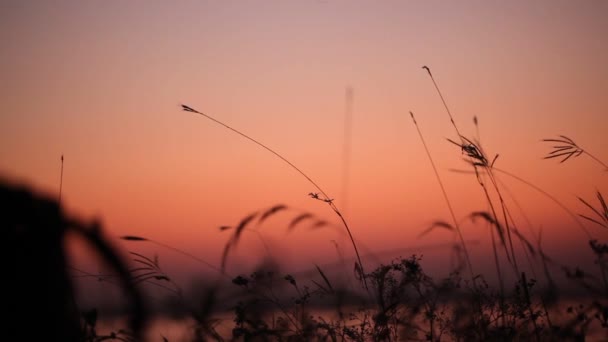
505,213
549,196
446,198
326,198
457,225
477,158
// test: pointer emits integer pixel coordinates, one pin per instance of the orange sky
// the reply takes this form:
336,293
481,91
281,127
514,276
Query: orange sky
102,83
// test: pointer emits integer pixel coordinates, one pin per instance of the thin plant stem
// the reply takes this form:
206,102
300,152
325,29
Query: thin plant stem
552,198
493,210
541,191
596,159
524,283
262,240
327,199
529,224
447,199
466,142
443,101
499,274
504,213
484,163
502,202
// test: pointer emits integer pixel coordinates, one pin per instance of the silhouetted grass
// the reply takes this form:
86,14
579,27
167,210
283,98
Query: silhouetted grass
408,303
269,304
444,192
325,198
567,148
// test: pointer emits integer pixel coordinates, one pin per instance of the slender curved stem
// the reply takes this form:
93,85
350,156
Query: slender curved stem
327,199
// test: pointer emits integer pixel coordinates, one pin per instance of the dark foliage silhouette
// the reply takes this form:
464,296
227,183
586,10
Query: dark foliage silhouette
39,294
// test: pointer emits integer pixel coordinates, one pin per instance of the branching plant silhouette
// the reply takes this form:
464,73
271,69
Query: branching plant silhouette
504,225
567,148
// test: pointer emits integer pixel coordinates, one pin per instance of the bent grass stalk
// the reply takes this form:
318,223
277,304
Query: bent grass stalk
447,200
457,225
326,198
477,158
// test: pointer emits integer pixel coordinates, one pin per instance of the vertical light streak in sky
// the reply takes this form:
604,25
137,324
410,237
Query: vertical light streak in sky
347,147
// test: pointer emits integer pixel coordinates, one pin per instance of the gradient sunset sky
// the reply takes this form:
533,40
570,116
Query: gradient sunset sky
102,83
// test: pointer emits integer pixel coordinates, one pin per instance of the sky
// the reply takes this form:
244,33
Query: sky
101,83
